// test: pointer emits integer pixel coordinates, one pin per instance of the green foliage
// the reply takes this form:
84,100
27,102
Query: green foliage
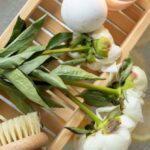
73,73
59,39
19,27
79,130
24,40
15,96
125,70
25,86
97,99
50,78
16,60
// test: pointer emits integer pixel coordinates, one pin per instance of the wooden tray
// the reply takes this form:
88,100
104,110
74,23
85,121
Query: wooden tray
126,26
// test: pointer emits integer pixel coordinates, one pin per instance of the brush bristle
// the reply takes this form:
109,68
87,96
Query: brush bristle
19,128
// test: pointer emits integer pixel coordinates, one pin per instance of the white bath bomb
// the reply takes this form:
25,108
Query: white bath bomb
84,15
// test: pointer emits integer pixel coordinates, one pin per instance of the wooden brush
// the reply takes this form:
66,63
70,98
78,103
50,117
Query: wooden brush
22,133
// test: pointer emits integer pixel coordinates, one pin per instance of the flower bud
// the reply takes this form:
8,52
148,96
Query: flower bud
113,55
102,46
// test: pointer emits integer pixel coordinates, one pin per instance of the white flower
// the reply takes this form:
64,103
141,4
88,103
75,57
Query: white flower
127,123
132,105
100,64
113,55
110,68
78,142
107,64
102,32
140,81
95,66
102,112
118,140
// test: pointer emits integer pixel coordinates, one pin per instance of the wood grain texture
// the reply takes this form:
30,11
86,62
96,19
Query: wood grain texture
145,4
24,14
134,12
27,143
126,27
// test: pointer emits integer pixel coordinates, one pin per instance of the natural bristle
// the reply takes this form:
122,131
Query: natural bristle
19,128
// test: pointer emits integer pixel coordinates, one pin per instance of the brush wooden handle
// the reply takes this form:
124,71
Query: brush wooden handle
29,143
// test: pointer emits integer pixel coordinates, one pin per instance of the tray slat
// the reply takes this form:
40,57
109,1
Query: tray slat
126,27
134,12
122,21
50,23
145,4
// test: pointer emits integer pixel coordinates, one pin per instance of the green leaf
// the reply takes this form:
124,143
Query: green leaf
128,83
1,72
114,113
51,103
125,64
24,40
50,78
59,39
77,41
31,65
16,60
47,97
79,130
95,98
82,39
25,86
19,27
16,97
2,50
73,73
112,121
74,62
125,70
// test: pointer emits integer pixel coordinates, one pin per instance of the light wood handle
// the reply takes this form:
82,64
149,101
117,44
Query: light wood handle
29,143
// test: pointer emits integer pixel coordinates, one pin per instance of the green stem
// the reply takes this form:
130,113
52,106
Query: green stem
64,50
84,108
104,89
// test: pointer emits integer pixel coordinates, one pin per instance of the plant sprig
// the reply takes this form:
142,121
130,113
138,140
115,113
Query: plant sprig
21,63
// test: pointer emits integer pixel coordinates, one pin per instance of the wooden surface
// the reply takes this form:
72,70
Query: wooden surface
9,9
24,13
126,26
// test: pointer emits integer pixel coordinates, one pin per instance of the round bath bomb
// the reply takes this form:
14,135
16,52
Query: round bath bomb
84,16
